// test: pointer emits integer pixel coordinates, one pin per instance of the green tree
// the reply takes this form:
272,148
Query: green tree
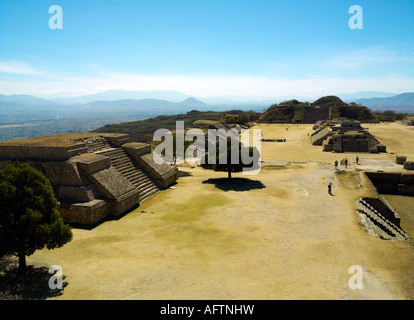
243,118
232,166
390,116
29,219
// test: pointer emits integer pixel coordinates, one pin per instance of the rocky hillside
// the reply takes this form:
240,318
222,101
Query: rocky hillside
143,130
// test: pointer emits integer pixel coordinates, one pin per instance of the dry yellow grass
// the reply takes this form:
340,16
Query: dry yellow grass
285,238
60,139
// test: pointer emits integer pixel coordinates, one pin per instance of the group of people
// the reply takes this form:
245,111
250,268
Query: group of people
336,167
346,162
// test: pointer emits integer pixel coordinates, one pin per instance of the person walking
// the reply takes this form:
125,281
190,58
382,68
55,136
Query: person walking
336,164
346,163
357,160
330,188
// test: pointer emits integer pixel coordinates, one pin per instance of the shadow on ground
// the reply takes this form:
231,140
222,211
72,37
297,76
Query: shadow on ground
33,284
184,174
236,184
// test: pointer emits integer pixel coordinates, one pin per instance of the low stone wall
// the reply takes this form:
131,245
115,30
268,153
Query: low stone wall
409,165
400,159
85,213
40,153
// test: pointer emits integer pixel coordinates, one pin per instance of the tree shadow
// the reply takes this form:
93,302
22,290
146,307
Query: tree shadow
32,284
184,174
236,184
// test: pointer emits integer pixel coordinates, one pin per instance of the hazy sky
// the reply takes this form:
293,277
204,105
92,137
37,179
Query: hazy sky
207,48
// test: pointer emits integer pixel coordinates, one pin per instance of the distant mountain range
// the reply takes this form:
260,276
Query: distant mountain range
27,108
400,103
352,97
25,99
132,105
114,95
174,102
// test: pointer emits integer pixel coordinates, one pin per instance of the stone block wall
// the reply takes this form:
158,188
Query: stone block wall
409,165
315,114
392,182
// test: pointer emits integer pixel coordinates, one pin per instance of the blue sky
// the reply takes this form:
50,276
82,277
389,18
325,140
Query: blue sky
207,48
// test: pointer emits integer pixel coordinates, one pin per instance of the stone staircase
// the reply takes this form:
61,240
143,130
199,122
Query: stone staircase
98,145
123,163
378,224
94,144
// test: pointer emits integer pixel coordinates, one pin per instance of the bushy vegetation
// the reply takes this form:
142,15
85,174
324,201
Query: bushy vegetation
241,118
389,116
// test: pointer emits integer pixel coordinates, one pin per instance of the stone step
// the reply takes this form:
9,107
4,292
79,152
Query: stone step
111,153
390,225
133,172
147,193
124,165
97,145
383,224
119,159
138,176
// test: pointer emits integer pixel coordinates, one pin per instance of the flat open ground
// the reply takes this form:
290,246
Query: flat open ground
278,236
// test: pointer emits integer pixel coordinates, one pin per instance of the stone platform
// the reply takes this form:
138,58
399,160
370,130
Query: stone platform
345,136
94,175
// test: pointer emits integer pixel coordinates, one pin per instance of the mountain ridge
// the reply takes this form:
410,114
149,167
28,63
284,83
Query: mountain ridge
403,102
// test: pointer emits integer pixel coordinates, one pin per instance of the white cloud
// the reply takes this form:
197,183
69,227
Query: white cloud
17,67
368,57
206,85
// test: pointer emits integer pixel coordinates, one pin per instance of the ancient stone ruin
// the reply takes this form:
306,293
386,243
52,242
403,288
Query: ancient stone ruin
408,121
376,214
93,175
313,114
380,220
345,136
399,183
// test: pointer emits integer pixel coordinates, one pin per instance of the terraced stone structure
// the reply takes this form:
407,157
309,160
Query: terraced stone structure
408,121
345,136
94,175
380,220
